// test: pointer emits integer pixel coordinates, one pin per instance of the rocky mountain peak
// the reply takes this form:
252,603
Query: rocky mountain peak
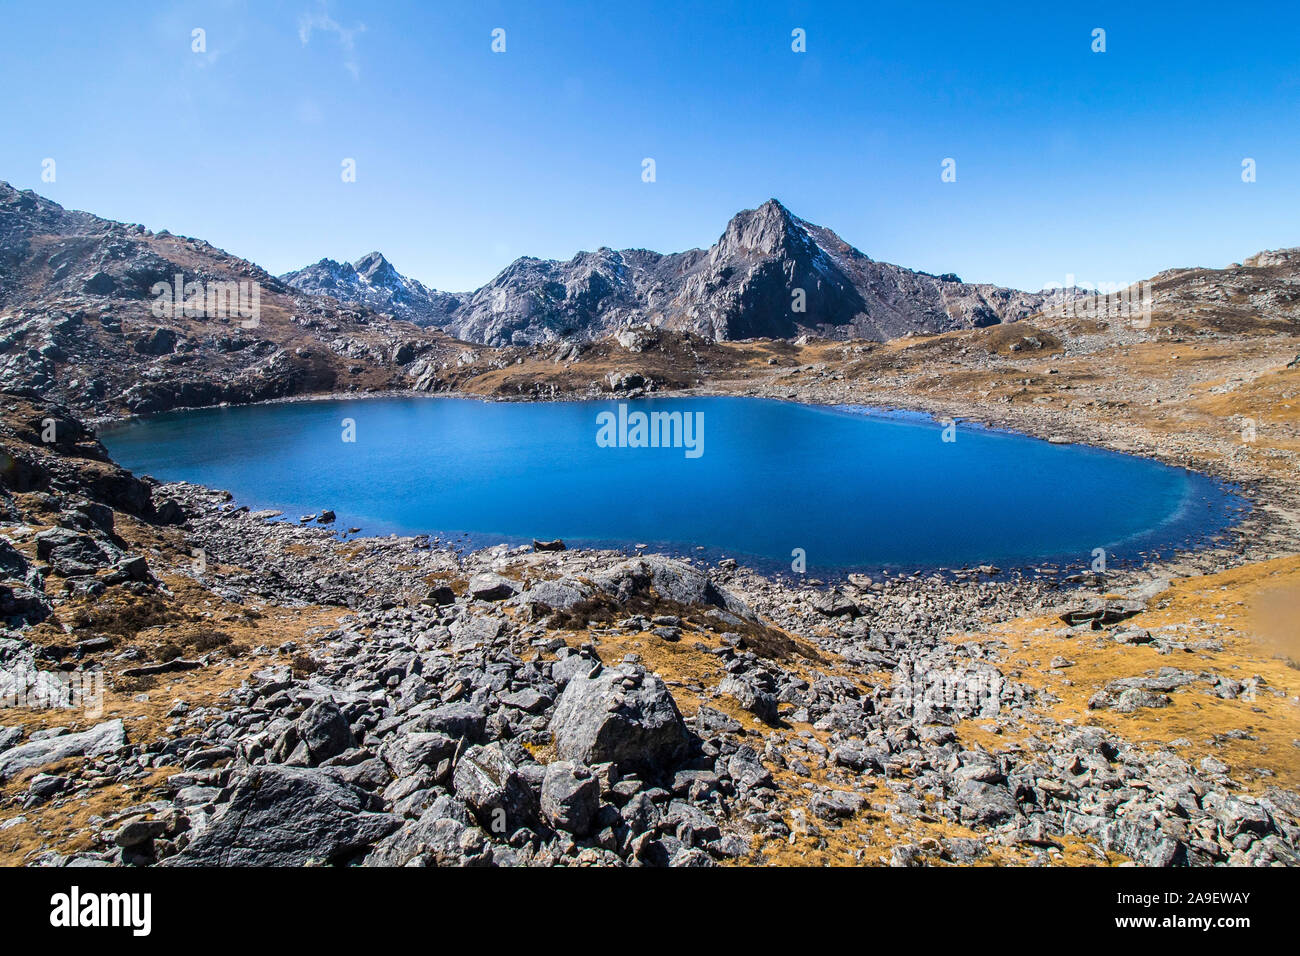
769,230
342,270
377,270
770,274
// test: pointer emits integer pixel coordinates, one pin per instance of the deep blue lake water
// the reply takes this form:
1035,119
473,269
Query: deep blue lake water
852,488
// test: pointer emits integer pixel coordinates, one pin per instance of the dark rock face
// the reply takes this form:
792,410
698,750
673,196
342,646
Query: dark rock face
12,562
75,459
622,715
288,816
744,286
71,553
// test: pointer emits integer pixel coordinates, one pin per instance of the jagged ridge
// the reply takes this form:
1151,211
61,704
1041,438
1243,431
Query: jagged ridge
741,287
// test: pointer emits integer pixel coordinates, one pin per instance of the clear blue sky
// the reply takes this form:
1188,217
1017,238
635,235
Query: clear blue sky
1106,166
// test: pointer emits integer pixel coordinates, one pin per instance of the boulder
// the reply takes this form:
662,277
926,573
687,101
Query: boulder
130,568
169,511
99,740
834,604
406,753
12,562
489,586
288,816
985,804
460,721
324,730
71,552
570,797
622,715
442,836
1098,612
837,804
671,580
761,703
562,594
489,782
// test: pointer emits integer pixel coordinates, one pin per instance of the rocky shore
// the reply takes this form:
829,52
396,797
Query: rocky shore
273,695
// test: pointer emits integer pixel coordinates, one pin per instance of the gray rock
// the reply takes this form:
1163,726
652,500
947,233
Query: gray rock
471,632
836,804
405,753
640,813
325,731
566,668
671,581
71,553
435,839
288,816
461,721
527,699
43,787
140,832
489,782
1243,816
755,700
984,804
570,797
130,568
1136,698
747,770
623,716
99,740
1134,635
562,594
489,586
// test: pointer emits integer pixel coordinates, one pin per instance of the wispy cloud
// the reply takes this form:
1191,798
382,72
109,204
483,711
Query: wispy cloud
320,20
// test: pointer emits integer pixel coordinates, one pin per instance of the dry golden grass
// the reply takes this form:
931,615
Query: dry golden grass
64,826
1228,606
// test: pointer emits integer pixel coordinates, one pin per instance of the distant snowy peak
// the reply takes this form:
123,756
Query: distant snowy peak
373,281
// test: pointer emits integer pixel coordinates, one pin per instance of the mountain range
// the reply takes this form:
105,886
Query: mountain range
81,323
769,275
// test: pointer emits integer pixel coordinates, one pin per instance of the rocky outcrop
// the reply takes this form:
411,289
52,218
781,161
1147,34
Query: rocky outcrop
99,740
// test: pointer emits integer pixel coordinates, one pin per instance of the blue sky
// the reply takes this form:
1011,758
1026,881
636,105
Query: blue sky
1105,166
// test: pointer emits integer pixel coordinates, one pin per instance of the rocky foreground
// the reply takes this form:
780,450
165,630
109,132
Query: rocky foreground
273,695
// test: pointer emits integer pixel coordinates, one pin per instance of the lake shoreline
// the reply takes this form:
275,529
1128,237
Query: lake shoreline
1245,534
